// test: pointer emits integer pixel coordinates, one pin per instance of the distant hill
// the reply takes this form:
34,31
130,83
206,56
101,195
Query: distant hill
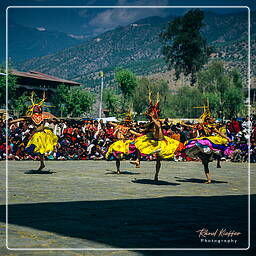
26,43
137,47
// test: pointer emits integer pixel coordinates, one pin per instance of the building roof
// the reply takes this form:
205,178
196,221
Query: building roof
42,76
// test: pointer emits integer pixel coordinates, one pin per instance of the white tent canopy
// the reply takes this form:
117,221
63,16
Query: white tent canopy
108,119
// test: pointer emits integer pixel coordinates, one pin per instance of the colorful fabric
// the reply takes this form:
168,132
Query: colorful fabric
207,145
42,142
164,148
215,139
37,118
121,147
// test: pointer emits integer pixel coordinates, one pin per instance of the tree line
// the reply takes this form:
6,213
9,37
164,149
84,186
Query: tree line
223,89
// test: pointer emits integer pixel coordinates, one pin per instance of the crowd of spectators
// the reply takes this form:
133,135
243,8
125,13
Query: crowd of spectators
90,139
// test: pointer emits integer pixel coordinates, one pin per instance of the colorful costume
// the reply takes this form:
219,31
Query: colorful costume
123,146
208,144
44,140
164,147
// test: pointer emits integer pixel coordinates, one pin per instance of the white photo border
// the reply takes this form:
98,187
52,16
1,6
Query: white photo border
249,114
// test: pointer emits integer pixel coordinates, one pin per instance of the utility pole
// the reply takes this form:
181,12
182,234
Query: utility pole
101,74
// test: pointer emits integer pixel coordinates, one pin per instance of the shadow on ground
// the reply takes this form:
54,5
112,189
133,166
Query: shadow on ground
193,180
122,172
39,172
153,182
138,223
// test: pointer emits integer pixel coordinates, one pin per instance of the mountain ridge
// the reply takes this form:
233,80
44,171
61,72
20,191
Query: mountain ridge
27,42
136,46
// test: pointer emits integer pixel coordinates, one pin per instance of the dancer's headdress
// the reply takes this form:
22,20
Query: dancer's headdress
35,108
129,114
206,119
153,109
127,117
206,116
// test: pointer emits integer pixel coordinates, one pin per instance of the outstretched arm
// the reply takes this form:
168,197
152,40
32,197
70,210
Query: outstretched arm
18,120
49,116
113,124
187,125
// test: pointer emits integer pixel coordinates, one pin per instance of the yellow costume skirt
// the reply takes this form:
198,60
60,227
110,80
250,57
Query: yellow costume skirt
42,142
121,147
164,148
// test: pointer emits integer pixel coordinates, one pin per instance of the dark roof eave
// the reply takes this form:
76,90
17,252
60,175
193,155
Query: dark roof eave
44,77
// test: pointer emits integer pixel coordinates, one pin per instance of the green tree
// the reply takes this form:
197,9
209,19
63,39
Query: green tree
79,101
127,82
59,100
19,105
11,88
112,101
234,96
223,89
140,97
214,99
184,101
236,78
178,105
16,102
184,47
71,102
233,102
2,90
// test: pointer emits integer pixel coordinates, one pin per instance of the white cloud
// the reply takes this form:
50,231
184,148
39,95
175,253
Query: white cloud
40,28
111,18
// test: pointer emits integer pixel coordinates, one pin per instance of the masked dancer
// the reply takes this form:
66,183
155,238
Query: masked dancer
153,141
209,144
43,140
124,140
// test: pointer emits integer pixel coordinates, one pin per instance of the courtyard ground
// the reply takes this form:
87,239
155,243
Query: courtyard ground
85,205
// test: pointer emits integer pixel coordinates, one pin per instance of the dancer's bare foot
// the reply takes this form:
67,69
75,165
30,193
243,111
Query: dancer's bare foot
118,172
136,163
209,179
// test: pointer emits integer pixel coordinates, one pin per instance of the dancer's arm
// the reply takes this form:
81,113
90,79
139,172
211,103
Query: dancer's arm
49,116
135,133
187,125
18,120
157,130
156,122
113,124
222,135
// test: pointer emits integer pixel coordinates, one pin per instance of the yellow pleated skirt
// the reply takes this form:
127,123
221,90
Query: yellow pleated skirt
119,147
42,142
164,148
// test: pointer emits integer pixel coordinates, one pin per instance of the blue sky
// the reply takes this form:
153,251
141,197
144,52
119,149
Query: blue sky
79,21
